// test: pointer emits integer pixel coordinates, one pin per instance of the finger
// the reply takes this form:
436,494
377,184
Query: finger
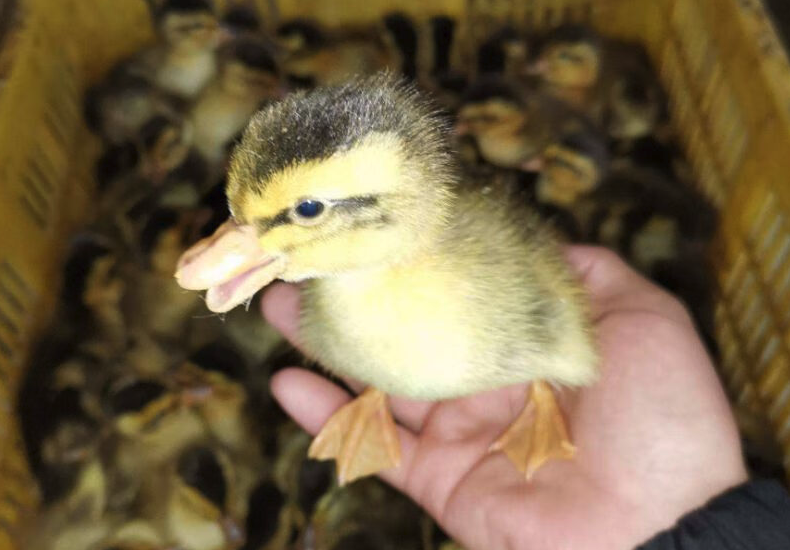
615,286
280,307
311,399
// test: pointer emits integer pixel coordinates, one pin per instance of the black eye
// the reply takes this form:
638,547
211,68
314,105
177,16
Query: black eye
309,208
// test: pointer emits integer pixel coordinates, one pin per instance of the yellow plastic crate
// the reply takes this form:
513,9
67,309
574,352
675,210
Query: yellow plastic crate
726,74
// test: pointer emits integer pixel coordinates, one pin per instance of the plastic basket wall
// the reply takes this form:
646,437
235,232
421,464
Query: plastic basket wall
729,87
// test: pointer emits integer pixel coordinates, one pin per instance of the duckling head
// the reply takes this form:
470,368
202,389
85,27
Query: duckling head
570,57
326,183
188,24
495,116
572,168
165,144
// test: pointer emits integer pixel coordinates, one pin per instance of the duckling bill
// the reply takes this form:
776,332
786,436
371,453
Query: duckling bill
355,191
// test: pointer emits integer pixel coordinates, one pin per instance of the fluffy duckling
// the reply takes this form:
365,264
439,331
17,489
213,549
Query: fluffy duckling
407,256
117,108
157,80
149,170
184,61
510,128
93,290
155,304
247,79
612,82
194,500
219,370
366,515
320,57
153,424
572,167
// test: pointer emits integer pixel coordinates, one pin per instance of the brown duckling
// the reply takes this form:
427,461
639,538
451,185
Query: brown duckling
184,60
476,286
155,304
612,82
220,371
158,79
512,128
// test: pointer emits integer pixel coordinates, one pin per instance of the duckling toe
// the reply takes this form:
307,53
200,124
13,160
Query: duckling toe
361,436
538,434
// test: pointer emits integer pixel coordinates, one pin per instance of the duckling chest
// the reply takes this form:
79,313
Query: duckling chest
217,118
187,75
405,336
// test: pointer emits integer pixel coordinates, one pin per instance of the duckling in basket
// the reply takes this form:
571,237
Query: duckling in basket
612,82
198,501
184,61
510,126
158,79
412,284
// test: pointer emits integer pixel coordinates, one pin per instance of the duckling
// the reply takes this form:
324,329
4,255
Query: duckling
611,81
184,61
221,371
159,79
155,304
407,256
320,57
248,78
118,107
511,128
194,500
93,291
153,424
368,512
572,167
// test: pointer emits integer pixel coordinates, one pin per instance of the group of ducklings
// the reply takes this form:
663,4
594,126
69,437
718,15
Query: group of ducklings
148,422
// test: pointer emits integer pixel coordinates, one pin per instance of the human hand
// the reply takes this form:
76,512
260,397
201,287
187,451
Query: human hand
655,435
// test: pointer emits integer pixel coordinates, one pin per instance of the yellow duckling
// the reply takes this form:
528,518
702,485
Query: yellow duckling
413,285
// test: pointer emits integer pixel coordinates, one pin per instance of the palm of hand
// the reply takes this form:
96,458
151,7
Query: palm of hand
655,437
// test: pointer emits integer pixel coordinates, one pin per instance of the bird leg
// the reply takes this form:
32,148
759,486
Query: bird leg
538,434
361,436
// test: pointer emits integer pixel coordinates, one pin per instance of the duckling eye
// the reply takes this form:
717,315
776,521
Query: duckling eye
309,209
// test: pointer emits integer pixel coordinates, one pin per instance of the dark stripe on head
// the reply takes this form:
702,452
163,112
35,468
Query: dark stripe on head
315,125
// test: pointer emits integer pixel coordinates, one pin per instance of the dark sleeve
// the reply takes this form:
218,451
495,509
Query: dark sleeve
752,516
